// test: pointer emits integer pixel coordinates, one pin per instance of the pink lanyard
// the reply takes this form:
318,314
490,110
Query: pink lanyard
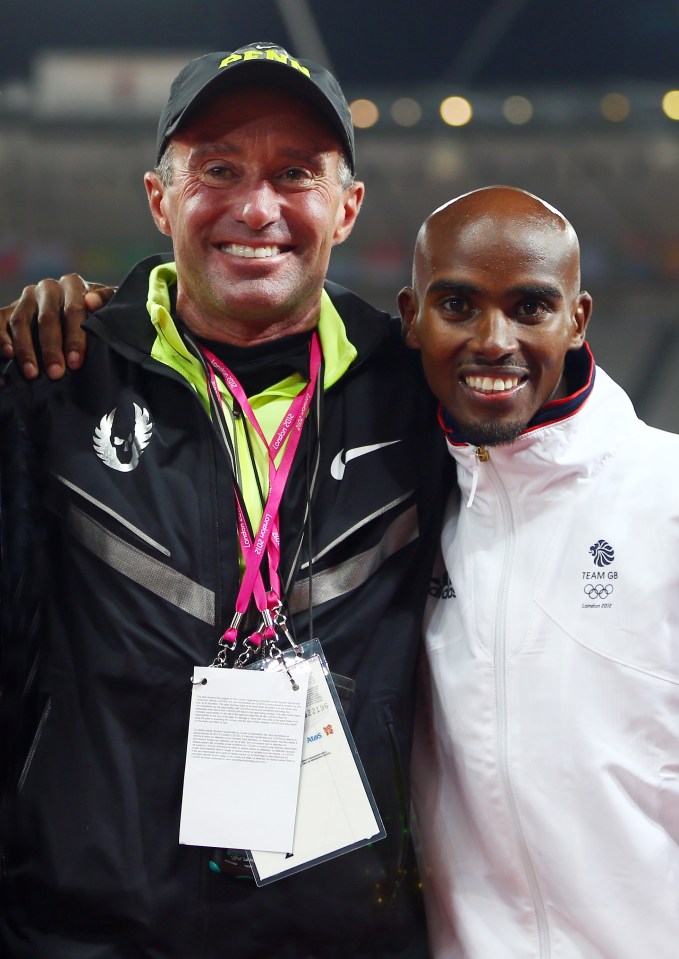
267,539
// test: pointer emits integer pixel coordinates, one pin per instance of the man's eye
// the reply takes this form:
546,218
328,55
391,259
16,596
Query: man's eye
216,174
455,304
297,174
531,308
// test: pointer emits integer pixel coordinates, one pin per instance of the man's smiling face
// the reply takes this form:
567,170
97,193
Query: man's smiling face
494,309
254,206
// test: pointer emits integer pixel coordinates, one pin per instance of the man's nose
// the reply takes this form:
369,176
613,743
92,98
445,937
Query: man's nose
258,205
494,335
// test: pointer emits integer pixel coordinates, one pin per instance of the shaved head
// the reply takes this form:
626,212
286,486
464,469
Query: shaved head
494,307
500,209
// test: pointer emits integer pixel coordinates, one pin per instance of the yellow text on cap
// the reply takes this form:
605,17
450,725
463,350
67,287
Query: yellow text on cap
279,55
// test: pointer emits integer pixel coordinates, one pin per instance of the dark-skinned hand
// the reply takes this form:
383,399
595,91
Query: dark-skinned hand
56,310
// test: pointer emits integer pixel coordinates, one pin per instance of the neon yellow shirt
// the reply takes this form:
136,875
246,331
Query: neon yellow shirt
269,406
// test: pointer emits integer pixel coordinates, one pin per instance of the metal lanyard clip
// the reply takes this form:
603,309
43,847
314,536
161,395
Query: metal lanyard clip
281,623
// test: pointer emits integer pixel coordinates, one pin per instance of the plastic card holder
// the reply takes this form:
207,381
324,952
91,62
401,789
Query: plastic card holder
336,810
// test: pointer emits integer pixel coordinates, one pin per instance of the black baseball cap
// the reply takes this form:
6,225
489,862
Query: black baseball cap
256,63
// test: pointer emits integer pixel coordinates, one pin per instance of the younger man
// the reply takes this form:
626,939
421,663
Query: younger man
546,779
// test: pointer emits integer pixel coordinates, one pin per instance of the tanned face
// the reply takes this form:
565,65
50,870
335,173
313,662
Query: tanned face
494,308
254,206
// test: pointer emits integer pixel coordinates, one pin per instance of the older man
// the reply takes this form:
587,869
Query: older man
131,488
546,781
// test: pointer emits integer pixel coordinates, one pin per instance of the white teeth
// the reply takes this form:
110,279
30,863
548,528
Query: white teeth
253,252
488,384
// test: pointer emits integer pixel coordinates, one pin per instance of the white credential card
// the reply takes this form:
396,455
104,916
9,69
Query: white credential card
243,759
334,811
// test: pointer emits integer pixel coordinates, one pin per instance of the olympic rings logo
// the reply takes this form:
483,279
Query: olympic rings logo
598,590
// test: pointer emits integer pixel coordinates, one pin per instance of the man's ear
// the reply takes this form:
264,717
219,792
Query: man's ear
155,192
580,315
348,211
407,305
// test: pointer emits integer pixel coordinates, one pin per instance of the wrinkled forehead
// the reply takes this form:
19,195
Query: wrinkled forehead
226,111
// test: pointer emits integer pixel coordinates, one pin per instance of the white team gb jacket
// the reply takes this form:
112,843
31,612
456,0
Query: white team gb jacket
547,791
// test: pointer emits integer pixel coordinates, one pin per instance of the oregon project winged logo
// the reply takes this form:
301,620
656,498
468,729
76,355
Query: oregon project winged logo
339,463
122,437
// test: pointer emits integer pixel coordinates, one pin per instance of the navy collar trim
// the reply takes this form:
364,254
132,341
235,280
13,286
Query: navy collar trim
579,370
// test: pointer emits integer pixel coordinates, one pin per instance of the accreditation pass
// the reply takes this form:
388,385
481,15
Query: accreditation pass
244,747
336,811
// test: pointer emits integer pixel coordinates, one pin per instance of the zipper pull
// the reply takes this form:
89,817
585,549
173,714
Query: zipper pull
481,455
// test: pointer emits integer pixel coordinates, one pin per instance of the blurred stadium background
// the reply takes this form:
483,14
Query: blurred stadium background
577,102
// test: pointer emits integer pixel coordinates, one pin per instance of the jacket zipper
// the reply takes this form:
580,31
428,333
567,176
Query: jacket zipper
500,661
404,817
481,455
34,745
218,446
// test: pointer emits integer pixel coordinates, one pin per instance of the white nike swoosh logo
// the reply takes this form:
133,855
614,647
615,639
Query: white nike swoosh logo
339,463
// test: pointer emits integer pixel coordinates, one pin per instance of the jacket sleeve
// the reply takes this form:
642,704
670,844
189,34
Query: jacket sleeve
22,574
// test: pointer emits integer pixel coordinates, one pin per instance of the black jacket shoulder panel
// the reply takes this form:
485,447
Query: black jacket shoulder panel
130,508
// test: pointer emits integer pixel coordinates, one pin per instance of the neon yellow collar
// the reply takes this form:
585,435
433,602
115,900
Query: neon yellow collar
169,348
